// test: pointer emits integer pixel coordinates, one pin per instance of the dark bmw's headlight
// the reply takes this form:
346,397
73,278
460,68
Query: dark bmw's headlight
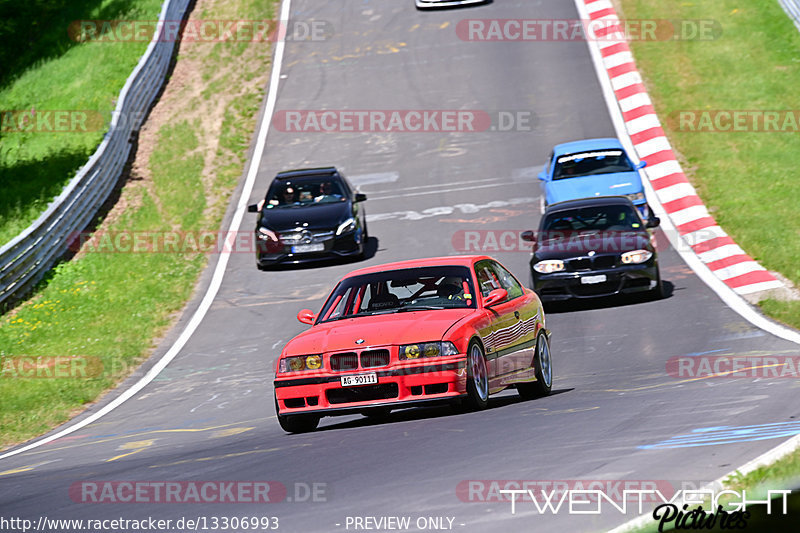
636,257
347,225
548,266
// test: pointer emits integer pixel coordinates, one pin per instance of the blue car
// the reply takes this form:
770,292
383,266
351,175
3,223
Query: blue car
589,168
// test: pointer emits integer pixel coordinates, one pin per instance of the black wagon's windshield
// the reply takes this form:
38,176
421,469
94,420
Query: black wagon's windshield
617,217
300,192
591,163
395,291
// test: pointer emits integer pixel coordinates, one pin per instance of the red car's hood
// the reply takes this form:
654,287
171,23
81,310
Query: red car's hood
398,328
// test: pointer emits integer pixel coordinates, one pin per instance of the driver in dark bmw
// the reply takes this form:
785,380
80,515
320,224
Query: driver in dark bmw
309,214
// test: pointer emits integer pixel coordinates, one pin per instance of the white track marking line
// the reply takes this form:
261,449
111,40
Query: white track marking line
440,191
675,192
219,271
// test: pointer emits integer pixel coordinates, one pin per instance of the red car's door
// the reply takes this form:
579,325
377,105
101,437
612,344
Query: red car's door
510,350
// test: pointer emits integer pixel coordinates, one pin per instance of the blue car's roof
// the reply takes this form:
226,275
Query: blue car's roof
586,145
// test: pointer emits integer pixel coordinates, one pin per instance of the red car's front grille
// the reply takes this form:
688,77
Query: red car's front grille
341,362
344,361
374,358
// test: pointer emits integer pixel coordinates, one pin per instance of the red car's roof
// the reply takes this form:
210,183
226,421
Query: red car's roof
449,260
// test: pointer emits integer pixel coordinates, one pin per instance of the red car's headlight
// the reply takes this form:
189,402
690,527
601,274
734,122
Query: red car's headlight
427,349
300,362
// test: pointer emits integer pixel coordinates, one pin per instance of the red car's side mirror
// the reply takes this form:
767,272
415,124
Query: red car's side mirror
306,316
496,296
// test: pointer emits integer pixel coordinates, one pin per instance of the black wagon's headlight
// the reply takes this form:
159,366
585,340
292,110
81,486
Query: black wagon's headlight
347,225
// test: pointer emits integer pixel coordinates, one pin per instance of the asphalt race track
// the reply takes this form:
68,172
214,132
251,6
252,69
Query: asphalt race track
615,413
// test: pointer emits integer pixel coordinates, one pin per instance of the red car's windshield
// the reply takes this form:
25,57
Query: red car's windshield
410,289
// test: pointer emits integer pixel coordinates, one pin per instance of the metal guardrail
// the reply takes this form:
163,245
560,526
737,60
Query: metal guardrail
27,258
792,8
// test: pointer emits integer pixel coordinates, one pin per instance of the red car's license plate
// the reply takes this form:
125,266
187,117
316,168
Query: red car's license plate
360,379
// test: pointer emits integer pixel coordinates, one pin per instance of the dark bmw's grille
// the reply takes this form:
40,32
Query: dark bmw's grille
604,261
596,289
600,262
373,358
344,361
579,264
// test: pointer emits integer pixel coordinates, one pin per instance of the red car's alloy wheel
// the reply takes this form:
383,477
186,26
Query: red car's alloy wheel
477,377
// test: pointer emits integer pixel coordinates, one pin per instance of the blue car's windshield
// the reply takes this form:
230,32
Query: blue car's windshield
591,163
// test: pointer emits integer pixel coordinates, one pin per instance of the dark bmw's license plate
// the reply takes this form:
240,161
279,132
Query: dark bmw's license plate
590,280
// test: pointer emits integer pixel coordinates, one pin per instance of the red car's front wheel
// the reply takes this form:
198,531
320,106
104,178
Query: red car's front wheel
477,377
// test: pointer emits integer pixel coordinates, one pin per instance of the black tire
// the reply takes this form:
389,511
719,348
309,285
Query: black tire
543,370
658,292
296,423
377,413
477,377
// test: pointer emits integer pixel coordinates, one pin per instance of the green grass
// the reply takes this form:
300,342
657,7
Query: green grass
113,306
51,71
748,180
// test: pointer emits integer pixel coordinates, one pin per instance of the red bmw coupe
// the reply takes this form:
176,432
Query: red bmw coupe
410,333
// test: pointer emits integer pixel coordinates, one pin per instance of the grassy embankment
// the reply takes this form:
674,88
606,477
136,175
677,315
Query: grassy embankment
111,307
747,179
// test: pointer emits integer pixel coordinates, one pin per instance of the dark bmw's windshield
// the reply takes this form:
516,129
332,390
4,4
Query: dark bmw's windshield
396,291
300,192
591,163
616,217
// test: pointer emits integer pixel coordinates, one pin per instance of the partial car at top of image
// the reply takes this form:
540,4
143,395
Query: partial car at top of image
428,4
446,329
594,247
309,214
589,168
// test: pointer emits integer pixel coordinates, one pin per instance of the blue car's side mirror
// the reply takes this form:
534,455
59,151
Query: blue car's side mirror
641,165
542,176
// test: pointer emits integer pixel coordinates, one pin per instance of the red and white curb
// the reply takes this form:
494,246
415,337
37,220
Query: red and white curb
674,192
